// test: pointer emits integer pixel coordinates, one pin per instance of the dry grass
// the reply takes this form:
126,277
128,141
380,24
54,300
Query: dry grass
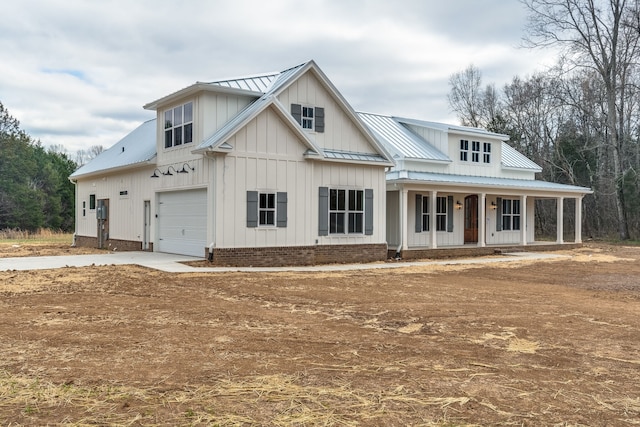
42,235
283,400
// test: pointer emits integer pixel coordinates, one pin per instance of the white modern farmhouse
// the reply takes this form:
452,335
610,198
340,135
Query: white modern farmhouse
277,169
456,186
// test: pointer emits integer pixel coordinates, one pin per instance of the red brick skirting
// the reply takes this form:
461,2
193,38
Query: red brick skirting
299,255
110,244
457,252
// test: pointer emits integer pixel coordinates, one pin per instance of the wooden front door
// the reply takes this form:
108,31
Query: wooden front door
471,219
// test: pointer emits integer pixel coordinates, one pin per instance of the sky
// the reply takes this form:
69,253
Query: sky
77,73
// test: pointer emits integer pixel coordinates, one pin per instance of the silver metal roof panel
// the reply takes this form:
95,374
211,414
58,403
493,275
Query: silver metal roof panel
400,140
480,181
512,158
350,155
137,147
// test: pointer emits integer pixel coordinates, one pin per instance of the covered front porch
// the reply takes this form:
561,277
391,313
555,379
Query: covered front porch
424,220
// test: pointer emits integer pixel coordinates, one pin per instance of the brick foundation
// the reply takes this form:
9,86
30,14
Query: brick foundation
298,255
111,244
441,253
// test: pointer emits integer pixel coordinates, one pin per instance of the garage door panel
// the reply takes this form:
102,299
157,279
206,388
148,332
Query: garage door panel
182,222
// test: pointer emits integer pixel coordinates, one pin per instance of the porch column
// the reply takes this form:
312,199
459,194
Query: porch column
578,228
432,219
404,195
523,220
482,220
560,220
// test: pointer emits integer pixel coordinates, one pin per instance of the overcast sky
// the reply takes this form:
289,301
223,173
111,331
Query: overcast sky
77,73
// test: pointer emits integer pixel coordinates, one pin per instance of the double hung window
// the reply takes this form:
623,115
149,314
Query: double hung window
464,150
510,214
267,209
441,214
346,211
178,125
475,151
486,156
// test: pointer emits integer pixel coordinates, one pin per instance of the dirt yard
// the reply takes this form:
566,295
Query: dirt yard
527,343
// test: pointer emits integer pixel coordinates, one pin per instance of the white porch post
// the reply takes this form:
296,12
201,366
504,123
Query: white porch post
432,218
523,220
482,220
578,228
559,227
404,218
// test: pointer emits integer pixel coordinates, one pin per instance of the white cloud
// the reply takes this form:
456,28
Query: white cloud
77,73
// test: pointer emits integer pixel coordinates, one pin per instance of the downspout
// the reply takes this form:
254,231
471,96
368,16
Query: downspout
75,212
211,252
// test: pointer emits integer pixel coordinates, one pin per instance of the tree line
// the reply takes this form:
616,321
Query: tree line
579,120
35,191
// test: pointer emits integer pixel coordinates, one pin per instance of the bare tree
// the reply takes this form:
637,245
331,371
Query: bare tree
600,35
465,97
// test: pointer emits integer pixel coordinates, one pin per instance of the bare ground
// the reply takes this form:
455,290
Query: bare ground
527,343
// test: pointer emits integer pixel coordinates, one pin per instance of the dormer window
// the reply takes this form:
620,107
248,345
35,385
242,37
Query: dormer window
487,152
310,118
178,125
307,117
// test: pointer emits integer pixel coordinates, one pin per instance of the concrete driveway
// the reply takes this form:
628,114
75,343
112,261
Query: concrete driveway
173,263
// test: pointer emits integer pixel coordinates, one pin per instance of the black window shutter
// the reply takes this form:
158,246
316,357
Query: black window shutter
281,211
368,211
319,119
296,112
252,209
499,214
449,214
418,213
323,212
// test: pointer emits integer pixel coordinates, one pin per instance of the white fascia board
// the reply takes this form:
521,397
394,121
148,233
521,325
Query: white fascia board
75,178
497,189
196,88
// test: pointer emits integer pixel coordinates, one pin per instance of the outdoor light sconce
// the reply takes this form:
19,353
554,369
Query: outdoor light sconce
458,205
155,175
168,172
493,206
184,169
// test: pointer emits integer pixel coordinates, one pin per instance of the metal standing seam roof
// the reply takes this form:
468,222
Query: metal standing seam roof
350,155
400,140
512,158
137,147
480,181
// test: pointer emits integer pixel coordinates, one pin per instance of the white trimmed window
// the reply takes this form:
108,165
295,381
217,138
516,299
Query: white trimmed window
267,209
486,156
475,151
178,125
464,150
425,214
510,214
346,211
441,214
307,117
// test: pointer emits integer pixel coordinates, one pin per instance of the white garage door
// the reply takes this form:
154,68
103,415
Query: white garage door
182,222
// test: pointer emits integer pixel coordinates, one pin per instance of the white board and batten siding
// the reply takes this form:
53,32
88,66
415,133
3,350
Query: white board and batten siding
182,222
268,157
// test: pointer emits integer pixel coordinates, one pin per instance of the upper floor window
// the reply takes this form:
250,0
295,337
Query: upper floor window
486,152
178,125
310,118
307,117
475,151
464,150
